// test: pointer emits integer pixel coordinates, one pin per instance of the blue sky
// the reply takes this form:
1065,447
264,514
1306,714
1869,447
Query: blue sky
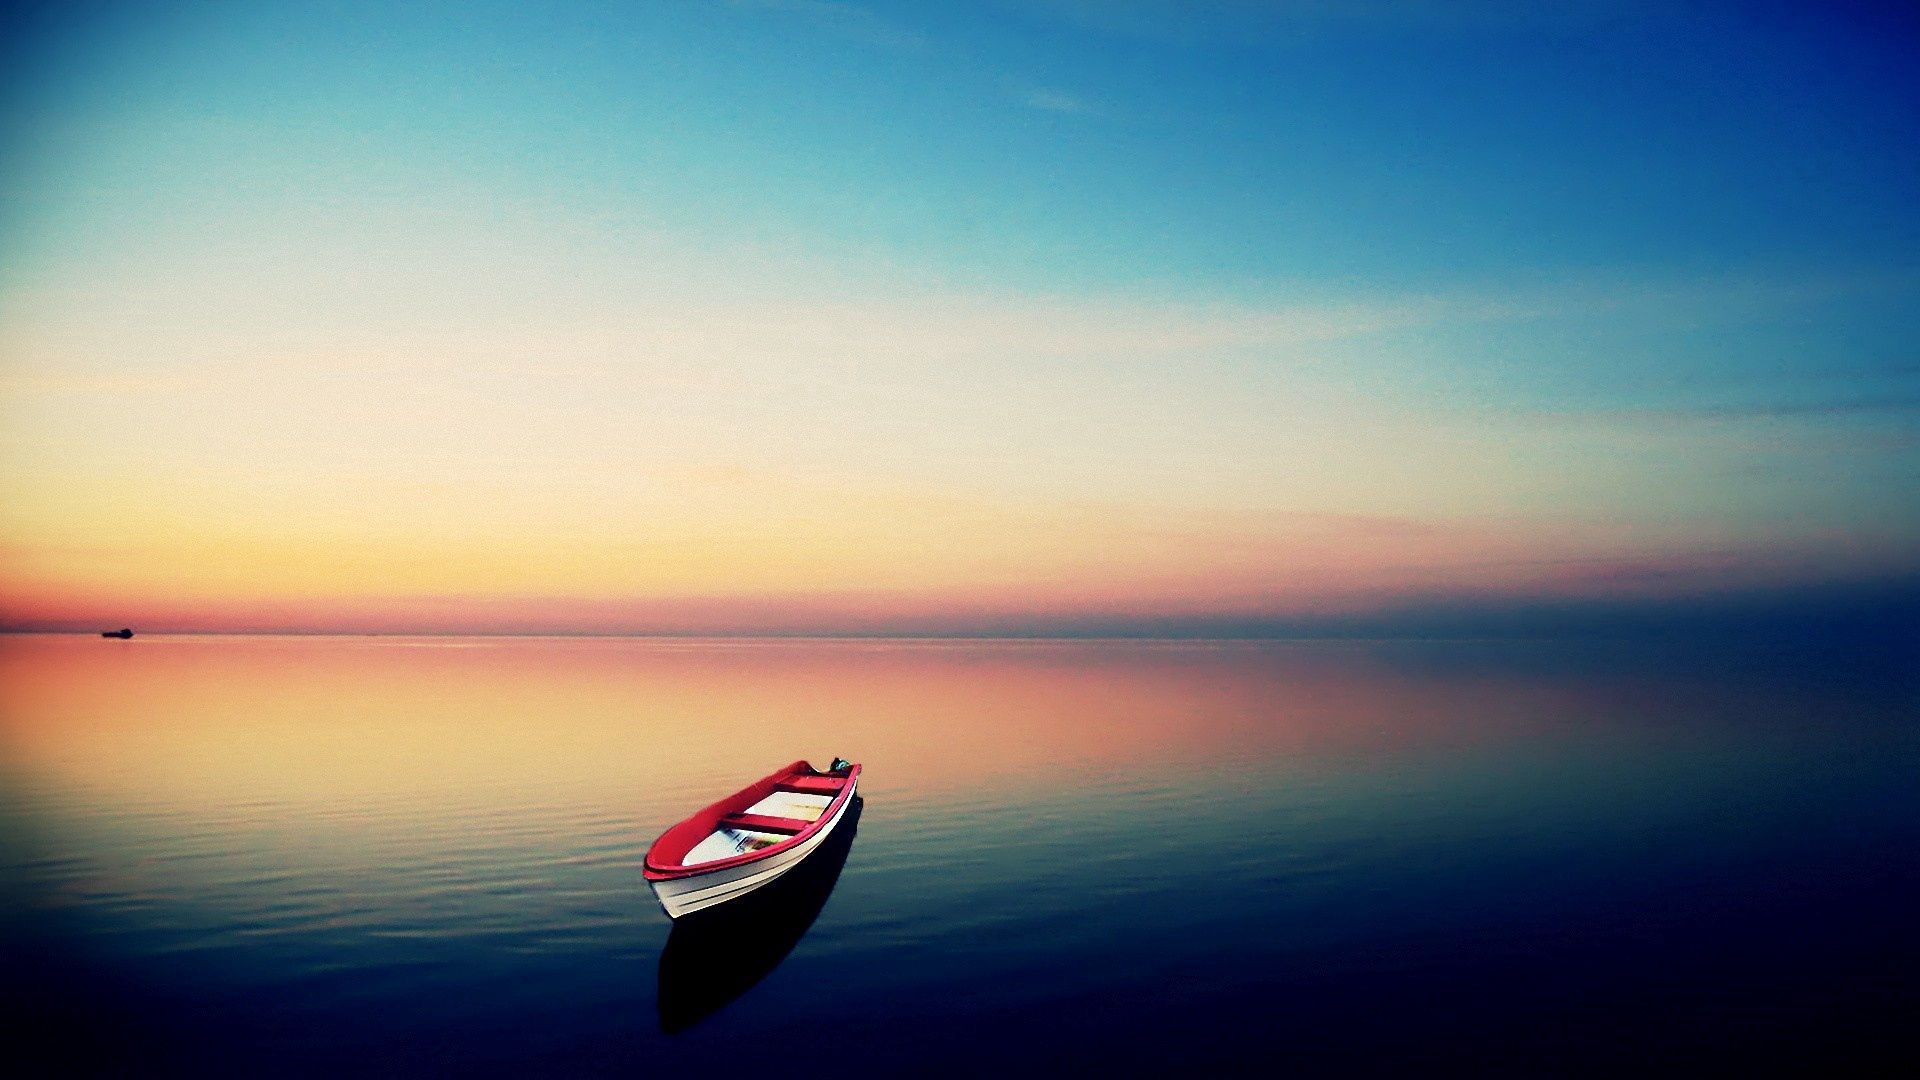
1058,146
1642,277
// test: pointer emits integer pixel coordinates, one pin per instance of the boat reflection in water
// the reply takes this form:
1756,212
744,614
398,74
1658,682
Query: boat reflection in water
716,955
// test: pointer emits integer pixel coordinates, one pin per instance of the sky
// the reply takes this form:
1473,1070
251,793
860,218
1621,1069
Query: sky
1019,316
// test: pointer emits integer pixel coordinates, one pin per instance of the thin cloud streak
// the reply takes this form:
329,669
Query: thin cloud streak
1054,101
1893,404
58,347
845,20
1887,403
1247,22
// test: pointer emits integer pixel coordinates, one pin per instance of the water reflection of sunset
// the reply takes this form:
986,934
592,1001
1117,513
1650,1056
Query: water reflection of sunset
295,838
318,723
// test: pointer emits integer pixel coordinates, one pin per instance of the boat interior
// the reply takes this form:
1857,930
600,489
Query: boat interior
795,802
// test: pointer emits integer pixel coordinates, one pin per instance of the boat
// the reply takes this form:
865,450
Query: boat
123,633
750,838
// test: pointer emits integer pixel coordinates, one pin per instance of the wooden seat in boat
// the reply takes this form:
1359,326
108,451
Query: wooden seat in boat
812,785
763,823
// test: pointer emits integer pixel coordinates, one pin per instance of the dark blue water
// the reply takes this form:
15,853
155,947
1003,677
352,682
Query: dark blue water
283,856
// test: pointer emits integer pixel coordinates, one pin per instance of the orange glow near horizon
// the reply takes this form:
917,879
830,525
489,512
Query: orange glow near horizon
1009,610
732,490
856,564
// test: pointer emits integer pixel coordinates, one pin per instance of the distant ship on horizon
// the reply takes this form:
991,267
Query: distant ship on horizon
123,633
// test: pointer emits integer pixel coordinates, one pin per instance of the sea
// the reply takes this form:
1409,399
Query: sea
394,856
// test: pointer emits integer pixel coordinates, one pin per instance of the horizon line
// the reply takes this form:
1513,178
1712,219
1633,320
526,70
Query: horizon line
765,635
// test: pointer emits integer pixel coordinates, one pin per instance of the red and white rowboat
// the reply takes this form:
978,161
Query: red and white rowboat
749,838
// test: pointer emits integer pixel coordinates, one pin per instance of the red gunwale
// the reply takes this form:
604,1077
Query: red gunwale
663,858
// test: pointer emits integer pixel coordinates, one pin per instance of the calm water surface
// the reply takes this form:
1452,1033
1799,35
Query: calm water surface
274,855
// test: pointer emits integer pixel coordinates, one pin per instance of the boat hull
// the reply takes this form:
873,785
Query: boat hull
682,896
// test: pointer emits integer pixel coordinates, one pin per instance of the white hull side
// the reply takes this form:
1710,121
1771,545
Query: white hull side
684,896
